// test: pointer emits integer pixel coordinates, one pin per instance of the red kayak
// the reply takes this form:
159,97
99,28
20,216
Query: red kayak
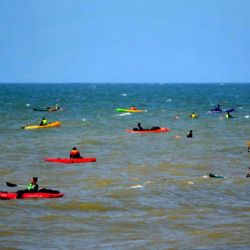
159,130
71,160
31,195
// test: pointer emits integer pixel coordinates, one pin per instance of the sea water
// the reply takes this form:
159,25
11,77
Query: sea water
145,191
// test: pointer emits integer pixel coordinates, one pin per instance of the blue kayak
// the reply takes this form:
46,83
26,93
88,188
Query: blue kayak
229,110
219,110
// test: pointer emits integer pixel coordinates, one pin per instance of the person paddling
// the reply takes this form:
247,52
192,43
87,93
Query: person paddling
133,108
32,187
44,122
217,108
139,126
74,153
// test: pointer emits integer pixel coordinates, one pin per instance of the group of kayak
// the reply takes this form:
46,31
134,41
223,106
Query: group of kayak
32,189
216,109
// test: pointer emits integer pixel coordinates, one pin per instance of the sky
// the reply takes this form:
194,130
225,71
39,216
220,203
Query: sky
125,41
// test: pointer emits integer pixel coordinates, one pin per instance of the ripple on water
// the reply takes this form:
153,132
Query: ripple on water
85,207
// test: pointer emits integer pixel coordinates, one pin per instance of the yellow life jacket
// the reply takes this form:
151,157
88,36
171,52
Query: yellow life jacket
45,122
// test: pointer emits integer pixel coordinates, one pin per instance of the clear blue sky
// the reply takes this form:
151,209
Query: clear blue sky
125,41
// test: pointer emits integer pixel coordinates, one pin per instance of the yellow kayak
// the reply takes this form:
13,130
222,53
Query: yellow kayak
52,124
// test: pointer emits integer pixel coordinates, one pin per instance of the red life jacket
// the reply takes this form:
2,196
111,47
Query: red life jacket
74,154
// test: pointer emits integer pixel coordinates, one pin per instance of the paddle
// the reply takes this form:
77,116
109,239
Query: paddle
14,185
17,185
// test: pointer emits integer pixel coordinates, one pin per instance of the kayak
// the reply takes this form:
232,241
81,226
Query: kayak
130,110
42,193
52,124
229,110
158,130
211,175
215,111
52,109
70,160
40,109
219,110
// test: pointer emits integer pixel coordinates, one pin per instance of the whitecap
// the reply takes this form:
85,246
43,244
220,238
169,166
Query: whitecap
169,100
28,105
124,94
246,116
205,176
136,186
84,119
147,182
124,114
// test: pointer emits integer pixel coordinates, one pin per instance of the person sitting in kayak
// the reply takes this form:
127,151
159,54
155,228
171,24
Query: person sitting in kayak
217,108
44,122
32,187
190,134
133,108
74,153
54,108
193,115
139,127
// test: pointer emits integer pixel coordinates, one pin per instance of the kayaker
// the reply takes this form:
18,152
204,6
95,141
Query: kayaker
228,115
44,122
74,153
217,108
32,187
133,108
193,115
54,108
190,134
139,126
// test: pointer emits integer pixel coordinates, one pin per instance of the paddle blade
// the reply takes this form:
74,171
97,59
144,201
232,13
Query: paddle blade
11,184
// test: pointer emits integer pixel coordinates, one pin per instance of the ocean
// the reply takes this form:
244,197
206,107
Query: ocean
145,191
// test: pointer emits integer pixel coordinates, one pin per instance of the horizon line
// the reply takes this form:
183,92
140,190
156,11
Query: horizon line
222,83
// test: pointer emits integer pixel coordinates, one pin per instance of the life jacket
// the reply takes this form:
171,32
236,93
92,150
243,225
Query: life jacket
194,116
44,122
32,187
133,108
74,153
